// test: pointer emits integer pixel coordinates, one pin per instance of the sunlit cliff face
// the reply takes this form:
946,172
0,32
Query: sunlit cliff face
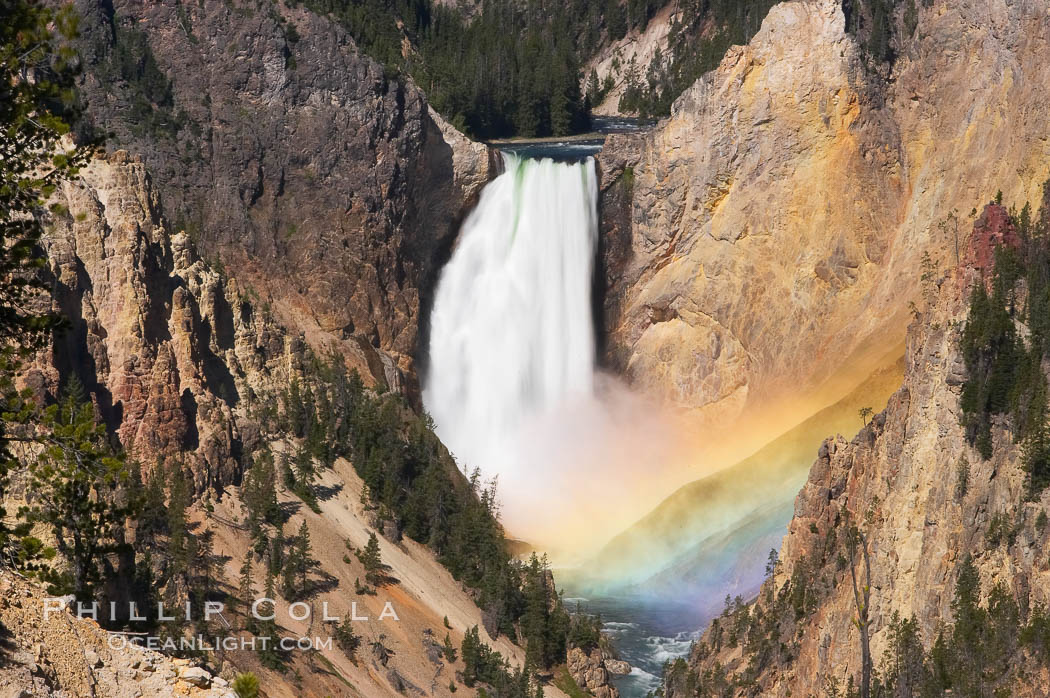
777,224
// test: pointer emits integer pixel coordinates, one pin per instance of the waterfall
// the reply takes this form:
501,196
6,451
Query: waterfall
512,383
511,331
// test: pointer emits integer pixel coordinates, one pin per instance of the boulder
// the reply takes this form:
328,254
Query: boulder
196,676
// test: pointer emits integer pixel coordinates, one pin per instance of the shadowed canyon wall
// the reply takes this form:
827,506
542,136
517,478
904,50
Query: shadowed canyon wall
177,355
325,185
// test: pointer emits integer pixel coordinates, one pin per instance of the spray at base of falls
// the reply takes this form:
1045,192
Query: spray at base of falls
512,385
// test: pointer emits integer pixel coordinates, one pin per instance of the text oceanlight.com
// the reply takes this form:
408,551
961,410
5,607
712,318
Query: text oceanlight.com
200,643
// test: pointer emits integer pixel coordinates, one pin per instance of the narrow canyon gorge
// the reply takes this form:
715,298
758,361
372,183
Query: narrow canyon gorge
554,398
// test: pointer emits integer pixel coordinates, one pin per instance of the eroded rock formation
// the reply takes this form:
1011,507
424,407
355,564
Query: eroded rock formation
776,222
177,355
593,670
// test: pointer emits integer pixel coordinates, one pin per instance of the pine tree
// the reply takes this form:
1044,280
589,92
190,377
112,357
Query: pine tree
262,544
299,475
321,436
304,562
347,639
276,556
267,628
180,545
245,590
615,19
904,670
204,567
470,650
287,474
34,114
967,641
594,90
260,495
289,586
145,585
862,600
1035,446
294,410
309,417
372,560
536,619
305,473
78,485
152,520
298,564
449,650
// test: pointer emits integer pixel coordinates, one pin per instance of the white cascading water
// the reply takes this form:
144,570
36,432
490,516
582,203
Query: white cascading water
511,334
512,385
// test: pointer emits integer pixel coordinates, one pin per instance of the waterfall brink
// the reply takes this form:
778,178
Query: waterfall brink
511,332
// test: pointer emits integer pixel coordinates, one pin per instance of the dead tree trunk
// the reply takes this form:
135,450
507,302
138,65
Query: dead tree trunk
862,597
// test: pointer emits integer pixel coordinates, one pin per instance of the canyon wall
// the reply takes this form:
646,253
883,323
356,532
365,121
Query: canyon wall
187,365
176,354
764,242
899,480
325,184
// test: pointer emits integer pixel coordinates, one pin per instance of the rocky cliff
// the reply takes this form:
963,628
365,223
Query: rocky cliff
176,354
925,500
288,155
593,670
764,242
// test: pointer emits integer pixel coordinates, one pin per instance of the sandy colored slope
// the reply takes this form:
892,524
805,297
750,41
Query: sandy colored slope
424,594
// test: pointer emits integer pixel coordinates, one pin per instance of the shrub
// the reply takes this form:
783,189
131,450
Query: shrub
246,685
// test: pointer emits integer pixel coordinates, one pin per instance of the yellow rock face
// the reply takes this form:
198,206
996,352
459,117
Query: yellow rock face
779,216
899,480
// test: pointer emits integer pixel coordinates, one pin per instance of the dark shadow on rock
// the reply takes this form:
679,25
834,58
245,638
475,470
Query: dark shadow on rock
612,258
324,493
453,210
191,439
8,646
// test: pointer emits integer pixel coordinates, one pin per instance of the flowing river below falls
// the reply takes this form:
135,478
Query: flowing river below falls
645,632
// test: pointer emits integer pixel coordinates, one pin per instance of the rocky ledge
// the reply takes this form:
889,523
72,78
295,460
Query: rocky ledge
58,655
593,670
